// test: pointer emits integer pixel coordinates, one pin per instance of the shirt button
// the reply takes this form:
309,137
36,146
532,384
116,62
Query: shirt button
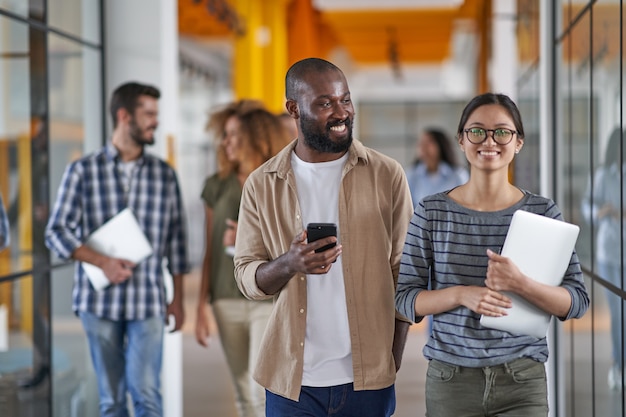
301,278
301,310
297,217
301,344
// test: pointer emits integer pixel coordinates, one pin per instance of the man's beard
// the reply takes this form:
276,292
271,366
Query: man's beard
319,140
136,134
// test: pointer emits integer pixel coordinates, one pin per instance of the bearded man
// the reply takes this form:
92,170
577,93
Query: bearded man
334,341
124,322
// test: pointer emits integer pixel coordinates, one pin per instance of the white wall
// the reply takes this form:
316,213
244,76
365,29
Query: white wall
142,45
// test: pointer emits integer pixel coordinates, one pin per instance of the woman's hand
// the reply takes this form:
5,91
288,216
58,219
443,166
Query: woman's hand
485,301
203,330
503,274
230,233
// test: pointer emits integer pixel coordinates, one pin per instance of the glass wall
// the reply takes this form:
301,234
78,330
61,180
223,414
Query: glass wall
51,95
590,180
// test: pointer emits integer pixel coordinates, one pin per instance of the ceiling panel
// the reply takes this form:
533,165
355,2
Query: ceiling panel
412,35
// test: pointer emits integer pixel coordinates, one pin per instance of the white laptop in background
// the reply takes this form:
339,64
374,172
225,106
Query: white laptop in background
120,237
541,248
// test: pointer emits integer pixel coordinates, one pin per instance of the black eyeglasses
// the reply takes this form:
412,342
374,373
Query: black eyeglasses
478,135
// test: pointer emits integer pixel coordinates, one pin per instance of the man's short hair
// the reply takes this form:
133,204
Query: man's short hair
127,95
300,69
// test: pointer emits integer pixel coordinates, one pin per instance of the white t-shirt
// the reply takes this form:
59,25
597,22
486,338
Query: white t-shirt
126,173
327,348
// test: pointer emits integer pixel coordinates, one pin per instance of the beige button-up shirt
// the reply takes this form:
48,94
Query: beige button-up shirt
374,211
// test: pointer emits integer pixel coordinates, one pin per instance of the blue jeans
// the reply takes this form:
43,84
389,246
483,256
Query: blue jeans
126,355
514,389
337,401
612,274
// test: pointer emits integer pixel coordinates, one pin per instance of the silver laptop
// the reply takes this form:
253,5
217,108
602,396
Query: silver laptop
541,248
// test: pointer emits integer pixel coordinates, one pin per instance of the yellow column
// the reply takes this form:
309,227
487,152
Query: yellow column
25,230
276,55
261,52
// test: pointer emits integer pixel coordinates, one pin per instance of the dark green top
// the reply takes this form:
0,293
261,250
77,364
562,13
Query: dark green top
223,196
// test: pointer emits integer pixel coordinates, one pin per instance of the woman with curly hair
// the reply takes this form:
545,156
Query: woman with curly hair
248,135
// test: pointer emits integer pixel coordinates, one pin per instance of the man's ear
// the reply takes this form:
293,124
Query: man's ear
292,109
122,115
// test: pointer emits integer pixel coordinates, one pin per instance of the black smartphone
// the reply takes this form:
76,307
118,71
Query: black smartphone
315,231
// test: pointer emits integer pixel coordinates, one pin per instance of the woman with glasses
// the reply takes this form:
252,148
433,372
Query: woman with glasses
453,240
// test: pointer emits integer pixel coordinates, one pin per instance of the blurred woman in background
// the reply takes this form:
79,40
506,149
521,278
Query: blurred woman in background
436,168
248,136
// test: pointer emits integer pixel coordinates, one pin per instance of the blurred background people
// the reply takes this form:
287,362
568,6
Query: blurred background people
289,124
436,167
248,136
602,206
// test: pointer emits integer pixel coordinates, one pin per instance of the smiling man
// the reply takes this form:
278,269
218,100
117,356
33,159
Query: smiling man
334,341
125,321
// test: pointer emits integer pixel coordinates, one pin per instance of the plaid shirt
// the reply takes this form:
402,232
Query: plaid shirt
91,192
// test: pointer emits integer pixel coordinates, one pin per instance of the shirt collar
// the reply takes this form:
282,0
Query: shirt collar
281,163
112,154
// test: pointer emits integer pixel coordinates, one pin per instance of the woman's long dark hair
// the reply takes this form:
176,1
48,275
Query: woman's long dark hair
444,144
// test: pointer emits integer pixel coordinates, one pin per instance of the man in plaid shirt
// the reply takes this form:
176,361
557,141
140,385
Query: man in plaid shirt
124,322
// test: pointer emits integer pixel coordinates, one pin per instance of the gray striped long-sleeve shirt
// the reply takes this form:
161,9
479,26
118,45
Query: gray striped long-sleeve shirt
448,242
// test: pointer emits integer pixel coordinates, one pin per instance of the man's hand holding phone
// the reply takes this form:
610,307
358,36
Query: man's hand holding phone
303,257
324,233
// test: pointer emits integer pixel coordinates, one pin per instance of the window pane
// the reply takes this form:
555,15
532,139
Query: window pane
76,17
15,6
17,352
75,128
15,143
587,345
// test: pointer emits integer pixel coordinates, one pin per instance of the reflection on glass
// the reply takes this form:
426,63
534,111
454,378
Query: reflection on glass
15,151
75,128
602,207
76,17
591,175
4,226
17,353
15,6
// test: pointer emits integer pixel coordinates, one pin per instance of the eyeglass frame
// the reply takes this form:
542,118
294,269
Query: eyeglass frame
493,132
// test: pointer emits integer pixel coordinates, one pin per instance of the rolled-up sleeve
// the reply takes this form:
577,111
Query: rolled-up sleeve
63,231
414,265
